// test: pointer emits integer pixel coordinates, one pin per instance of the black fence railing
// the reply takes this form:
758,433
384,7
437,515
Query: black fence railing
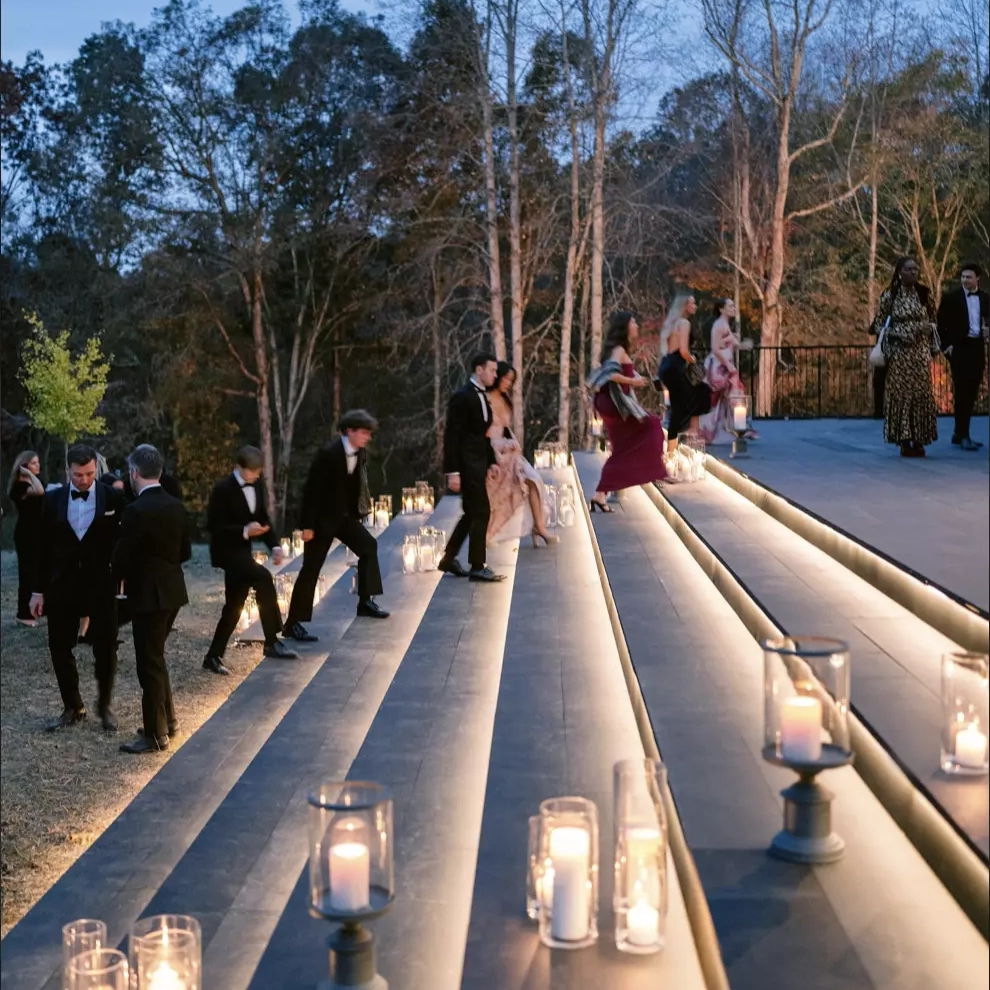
831,381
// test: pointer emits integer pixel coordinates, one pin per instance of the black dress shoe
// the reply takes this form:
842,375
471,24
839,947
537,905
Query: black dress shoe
279,651
956,440
371,609
485,574
967,444
144,745
108,720
215,665
70,716
452,566
298,632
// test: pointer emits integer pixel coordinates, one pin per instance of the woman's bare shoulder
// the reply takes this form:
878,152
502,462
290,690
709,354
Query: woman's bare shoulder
619,354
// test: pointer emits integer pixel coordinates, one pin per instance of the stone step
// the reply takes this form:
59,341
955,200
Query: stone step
896,657
878,918
169,839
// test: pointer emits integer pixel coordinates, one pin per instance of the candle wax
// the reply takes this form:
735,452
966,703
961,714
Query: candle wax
801,729
569,852
350,876
642,924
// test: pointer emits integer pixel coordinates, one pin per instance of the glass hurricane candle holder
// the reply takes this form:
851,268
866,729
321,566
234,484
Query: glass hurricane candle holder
566,512
410,555
98,969
739,413
639,897
408,501
541,458
166,953
560,455
534,871
297,542
806,728
351,872
595,425
965,714
427,549
83,935
383,512
567,872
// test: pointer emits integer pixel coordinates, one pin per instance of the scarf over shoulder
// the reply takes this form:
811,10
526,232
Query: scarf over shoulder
626,405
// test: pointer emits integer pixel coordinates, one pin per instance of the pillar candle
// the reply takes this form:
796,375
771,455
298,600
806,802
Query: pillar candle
739,418
350,876
971,748
642,923
569,852
801,729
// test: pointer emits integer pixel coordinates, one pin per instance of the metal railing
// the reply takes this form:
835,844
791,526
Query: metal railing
817,381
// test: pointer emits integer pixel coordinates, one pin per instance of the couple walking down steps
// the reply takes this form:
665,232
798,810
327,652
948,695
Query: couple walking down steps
501,492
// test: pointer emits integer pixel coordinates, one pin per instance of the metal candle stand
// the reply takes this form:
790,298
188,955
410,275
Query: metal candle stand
352,960
739,410
807,835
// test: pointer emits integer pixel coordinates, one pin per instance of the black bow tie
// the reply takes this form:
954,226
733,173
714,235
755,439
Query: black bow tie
973,293
75,494
246,484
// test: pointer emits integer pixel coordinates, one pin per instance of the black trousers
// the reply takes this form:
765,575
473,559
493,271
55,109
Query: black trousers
879,385
240,576
473,525
355,537
26,545
151,630
967,363
63,635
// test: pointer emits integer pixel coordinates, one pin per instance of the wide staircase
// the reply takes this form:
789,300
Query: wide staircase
638,633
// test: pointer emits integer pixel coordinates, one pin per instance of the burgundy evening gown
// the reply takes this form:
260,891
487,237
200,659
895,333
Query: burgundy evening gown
637,445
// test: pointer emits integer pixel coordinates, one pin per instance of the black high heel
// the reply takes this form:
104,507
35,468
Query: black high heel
597,506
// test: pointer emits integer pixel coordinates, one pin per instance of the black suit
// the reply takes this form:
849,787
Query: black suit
467,451
331,509
968,357
74,576
153,544
227,515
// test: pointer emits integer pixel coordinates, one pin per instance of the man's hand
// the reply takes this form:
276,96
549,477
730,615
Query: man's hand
493,472
37,606
277,556
307,535
254,529
454,483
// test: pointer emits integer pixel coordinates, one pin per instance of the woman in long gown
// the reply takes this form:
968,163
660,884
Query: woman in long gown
688,399
515,493
722,375
909,415
636,436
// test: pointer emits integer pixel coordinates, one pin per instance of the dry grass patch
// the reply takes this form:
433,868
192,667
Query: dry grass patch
59,791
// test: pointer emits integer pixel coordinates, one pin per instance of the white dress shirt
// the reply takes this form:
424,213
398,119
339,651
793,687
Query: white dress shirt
973,305
82,512
249,492
482,397
350,452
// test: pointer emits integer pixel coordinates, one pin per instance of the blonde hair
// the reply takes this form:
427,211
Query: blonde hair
674,315
15,472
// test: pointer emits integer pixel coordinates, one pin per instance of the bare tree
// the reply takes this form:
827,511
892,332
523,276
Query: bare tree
771,60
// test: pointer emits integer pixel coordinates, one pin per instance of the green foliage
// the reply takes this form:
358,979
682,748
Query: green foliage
63,390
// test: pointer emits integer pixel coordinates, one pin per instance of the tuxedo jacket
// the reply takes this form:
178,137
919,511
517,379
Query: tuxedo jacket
74,573
953,316
148,558
168,482
226,516
331,494
466,447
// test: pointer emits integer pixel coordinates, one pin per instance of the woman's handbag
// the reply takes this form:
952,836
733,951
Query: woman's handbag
877,360
694,373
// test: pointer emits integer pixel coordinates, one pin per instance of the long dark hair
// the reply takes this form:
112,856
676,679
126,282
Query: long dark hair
617,334
504,368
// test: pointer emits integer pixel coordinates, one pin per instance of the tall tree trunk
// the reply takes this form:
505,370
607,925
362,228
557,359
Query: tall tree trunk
515,222
583,332
336,387
596,300
871,284
263,389
491,200
567,319
437,371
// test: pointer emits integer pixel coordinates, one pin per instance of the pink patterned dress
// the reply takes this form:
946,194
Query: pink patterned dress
508,492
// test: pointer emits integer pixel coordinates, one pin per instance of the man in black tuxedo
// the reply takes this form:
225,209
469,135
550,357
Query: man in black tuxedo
153,544
963,317
79,525
335,498
467,458
236,515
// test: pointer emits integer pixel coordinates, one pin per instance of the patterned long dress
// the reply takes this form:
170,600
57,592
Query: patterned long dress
508,491
909,413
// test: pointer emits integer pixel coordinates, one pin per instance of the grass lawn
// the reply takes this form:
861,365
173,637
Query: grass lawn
59,791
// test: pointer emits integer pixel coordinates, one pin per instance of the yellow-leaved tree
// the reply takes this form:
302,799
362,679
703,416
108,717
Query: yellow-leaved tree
64,390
